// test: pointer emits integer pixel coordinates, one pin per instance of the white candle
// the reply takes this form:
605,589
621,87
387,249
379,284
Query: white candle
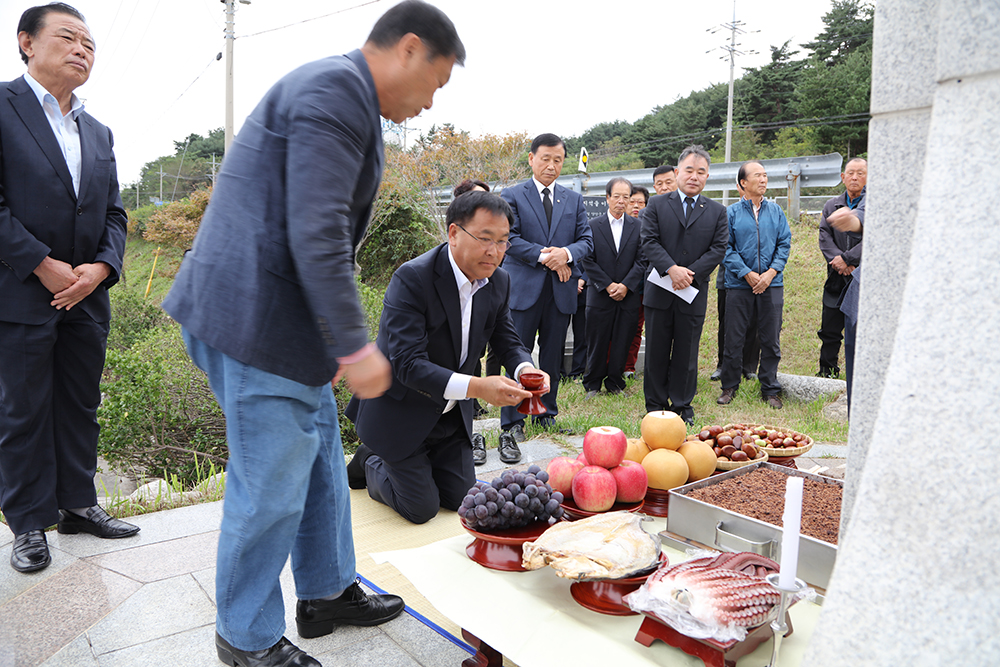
791,520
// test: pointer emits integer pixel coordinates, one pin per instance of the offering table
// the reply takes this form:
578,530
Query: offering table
533,620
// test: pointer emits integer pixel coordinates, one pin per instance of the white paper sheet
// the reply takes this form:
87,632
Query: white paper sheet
688,293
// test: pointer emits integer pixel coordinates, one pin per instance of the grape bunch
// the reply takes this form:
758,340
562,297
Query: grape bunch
512,500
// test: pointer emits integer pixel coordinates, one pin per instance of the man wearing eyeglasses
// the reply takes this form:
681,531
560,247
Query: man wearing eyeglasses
615,270
440,311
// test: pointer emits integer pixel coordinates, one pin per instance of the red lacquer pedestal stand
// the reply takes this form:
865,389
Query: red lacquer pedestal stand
656,503
711,652
486,655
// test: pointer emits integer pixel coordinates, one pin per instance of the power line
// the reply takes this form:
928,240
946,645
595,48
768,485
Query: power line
339,11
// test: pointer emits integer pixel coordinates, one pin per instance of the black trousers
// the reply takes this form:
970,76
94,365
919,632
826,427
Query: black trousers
744,307
830,332
437,474
50,377
609,336
751,349
579,324
670,374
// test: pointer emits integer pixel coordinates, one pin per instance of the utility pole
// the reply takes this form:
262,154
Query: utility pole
230,33
734,27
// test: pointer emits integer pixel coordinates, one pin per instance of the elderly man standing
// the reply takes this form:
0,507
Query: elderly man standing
62,239
684,237
548,238
615,270
759,242
842,251
269,310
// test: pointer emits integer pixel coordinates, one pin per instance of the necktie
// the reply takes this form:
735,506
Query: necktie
547,203
688,206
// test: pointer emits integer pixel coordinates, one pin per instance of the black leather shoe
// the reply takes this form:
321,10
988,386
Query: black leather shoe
517,432
590,394
316,618
716,375
31,552
478,410
509,451
750,376
774,401
726,397
282,654
478,449
98,522
356,468
826,372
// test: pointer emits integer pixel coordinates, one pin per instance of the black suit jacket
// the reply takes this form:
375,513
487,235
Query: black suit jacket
607,265
668,240
420,333
40,215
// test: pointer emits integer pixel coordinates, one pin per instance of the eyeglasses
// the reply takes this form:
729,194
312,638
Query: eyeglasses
501,246
619,197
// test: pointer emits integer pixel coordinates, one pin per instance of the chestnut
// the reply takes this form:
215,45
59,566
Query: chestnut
737,441
750,451
797,437
705,435
728,450
724,440
715,430
788,442
718,451
740,456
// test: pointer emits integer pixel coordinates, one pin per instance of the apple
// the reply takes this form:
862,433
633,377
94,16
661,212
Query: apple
604,446
561,471
631,481
582,459
594,489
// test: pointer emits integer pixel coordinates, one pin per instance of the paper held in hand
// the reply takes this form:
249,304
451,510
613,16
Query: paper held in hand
688,293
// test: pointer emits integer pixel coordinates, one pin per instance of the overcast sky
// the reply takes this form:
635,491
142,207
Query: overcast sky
533,65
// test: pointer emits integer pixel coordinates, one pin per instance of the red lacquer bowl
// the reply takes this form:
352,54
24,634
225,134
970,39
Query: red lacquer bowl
605,595
574,513
502,549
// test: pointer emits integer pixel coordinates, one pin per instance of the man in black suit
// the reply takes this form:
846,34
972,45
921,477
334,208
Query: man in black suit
549,237
684,237
615,270
62,240
440,311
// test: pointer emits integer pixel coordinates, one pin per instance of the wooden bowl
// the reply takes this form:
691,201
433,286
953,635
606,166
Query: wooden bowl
502,549
574,513
605,595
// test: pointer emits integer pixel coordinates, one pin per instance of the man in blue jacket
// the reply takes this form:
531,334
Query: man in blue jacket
269,310
759,242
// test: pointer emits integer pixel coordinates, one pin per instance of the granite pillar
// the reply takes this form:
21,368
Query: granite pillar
916,581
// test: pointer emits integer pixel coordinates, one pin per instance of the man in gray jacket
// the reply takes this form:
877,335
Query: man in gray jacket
269,310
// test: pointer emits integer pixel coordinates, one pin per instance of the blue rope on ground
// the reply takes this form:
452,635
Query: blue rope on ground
423,619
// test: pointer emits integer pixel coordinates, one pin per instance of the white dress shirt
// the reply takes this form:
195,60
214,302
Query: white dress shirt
541,197
63,127
617,226
457,388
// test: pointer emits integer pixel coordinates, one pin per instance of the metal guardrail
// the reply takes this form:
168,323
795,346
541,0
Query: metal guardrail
785,173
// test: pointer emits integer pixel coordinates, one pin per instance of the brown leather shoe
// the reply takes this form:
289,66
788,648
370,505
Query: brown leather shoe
726,397
774,401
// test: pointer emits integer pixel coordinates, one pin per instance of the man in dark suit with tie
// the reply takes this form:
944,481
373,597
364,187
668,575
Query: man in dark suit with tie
549,235
616,270
62,240
440,311
684,237
269,309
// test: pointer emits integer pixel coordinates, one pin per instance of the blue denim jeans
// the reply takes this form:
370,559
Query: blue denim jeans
286,493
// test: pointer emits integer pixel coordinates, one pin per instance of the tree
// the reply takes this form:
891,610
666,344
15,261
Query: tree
767,95
204,147
841,90
849,25
609,156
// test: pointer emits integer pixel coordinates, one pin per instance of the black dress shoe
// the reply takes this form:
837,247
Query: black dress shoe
282,654
478,449
509,451
478,410
316,618
356,468
31,552
517,432
98,522
716,375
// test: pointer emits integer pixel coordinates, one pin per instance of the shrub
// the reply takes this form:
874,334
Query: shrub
371,302
139,217
131,318
158,415
177,223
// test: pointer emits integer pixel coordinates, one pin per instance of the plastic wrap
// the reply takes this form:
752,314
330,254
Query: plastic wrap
604,546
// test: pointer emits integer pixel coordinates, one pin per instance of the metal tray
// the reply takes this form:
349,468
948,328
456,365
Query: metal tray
725,530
